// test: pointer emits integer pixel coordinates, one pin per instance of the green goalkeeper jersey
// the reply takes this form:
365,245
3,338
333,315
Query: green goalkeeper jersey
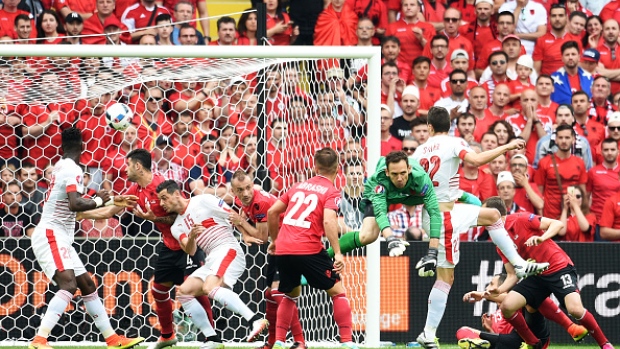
380,190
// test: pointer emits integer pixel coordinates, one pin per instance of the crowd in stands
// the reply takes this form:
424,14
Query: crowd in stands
546,72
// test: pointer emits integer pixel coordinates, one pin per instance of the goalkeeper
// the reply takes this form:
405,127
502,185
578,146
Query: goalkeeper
397,180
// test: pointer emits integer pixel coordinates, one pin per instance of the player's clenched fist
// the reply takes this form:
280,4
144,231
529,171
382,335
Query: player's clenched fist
517,144
396,247
427,265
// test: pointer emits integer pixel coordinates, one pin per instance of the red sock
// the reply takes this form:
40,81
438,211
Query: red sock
465,332
296,330
163,307
552,312
518,322
271,315
206,303
590,323
342,315
284,317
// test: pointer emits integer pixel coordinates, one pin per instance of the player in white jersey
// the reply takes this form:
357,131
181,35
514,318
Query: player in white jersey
52,241
440,157
202,221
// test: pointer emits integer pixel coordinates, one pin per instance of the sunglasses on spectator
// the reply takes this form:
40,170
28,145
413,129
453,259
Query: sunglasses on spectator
498,62
451,20
614,128
409,149
518,165
458,81
154,99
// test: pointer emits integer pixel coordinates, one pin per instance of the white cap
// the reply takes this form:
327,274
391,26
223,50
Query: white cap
385,107
490,2
505,176
526,61
614,117
520,156
460,53
412,90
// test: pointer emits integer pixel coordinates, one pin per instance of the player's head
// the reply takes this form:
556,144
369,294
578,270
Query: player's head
497,203
326,162
242,187
72,140
138,163
497,281
438,120
169,195
397,168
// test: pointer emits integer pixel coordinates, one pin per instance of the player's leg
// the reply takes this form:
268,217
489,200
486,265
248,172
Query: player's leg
491,218
469,338
367,234
96,310
193,263
289,269
191,288
551,311
529,291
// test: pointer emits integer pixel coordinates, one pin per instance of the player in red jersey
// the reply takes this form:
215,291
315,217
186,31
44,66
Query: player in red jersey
560,279
172,264
252,223
299,248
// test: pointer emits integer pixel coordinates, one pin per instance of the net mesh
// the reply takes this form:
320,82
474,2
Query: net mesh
207,109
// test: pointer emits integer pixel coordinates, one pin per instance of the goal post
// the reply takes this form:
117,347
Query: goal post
271,55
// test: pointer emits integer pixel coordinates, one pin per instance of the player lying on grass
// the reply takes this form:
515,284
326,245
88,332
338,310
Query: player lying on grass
498,333
532,235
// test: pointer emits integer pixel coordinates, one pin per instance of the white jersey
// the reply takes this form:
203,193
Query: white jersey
212,213
67,177
440,157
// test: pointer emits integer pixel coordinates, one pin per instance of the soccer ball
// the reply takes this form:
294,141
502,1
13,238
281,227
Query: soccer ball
119,116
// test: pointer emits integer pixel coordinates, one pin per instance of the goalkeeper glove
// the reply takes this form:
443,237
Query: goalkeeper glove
396,247
426,266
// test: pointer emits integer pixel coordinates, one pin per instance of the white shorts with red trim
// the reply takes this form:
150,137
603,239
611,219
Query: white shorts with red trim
459,220
54,251
227,262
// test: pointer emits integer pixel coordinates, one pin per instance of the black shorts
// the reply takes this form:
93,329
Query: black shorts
271,272
537,288
369,211
317,268
173,266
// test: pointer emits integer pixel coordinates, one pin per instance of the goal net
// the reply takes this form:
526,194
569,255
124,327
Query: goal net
203,113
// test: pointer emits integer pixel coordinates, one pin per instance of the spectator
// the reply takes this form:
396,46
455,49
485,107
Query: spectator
186,140
226,32
336,25
529,124
481,33
346,108
499,102
419,129
569,168
465,125
547,53
163,153
410,102
607,47
610,11
391,83
188,35
585,126
544,89
474,180
100,228
247,161
478,106
440,68
74,25
506,190
95,25
456,102
23,29
148,40
366,30
577,23
433,13
8,13
406,223
527,195
207,176
496,166
546,145
390,51
353,151
503,130
532,23
279,159
428,94
603,178
579,223
601,108
488,141
389,143
49,29
227,144
329,134
350,213
467,9
275,102
246,28
153,122
496,74
183,13
459,59
248,117
451,23
610,218
280,30
594,31
114,165
409,145
164,29
16,220
413,33
571,77
31,193
523,81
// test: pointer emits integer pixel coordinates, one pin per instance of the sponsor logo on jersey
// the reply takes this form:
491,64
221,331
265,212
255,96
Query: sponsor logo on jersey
260,216
531,218
379,189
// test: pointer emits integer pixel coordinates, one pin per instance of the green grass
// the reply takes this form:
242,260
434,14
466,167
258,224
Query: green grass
443,346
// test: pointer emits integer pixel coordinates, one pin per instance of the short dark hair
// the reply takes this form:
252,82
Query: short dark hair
565,127
421,59
439,37
464,116
186,26
210,138
169,185
439,118
579,93
498,53
420,120
72,140
544,76
609,140
354,161
226,20
163,17
570,44
501,278
395,157
389,64
21,17
489,133
497,203
390,38
564,105
458,71
326,160
141,156
577,14
239,175
558,6
507,14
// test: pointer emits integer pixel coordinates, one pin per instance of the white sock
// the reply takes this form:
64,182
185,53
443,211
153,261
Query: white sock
95,309
231,301
197,313
501,239
437,301
54,312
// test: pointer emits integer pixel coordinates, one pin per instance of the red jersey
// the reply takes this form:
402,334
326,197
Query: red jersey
428,96
574,233
404,71
522,226
523,200
611,11
283,38
602,183
611,212
482,125
147,197
571,170
593,131
302,226
610,58
480,37
391,144
410,46
256,211
7,23
137,16
482,187
276,107
436,75
97,136
459,42
79,6
548,51
499,324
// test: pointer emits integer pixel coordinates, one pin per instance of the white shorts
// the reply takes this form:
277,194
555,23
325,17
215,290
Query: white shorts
459,220
53,249
227,262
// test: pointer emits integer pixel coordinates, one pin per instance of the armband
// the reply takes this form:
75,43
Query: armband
110,202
